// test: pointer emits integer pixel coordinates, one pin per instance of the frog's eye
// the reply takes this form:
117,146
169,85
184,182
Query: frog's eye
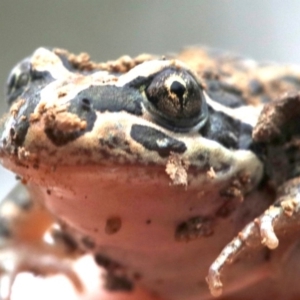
18,78
176,100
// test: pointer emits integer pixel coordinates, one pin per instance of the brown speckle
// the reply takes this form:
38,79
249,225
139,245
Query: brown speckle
113,225
226,208
137,276
61,94
148,221
194,228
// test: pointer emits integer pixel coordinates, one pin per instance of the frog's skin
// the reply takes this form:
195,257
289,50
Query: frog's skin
154,165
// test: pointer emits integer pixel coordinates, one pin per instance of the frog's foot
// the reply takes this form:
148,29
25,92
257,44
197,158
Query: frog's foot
284,215
16,258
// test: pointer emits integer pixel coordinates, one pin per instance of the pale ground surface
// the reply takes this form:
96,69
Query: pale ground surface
59,287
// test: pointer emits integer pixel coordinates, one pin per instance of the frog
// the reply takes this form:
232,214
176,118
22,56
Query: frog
179,173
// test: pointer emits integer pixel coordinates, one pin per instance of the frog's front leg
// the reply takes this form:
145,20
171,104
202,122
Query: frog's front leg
23,224
278,134
282,216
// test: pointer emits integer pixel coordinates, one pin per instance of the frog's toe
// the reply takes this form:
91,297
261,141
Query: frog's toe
17,258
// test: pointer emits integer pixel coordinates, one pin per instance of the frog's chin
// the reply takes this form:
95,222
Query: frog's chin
143,215
136,217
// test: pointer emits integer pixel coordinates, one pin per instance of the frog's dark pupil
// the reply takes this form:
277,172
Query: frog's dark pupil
177,88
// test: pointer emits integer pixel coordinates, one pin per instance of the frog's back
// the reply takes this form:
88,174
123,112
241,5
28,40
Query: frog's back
236,80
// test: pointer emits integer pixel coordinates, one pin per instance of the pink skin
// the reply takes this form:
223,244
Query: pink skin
74,197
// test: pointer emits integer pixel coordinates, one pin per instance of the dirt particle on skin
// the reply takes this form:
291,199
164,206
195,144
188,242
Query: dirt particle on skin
23,154
177,168
58,118
14,110
83,62
113,225
289,206
41,109
238,187
211,174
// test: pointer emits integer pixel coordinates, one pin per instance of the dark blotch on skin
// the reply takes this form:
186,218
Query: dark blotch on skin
245,137
113,142
113,225
118,283
106,263
229,132
92,99
113,99
225,86
221,128
150,138
66,239
115,277
81,107
227,208
225,95
20,126
88,242
194,228
86,104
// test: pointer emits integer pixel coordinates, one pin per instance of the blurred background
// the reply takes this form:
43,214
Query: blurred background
266,30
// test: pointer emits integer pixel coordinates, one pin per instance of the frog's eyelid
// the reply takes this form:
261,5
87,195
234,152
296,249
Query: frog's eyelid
148,69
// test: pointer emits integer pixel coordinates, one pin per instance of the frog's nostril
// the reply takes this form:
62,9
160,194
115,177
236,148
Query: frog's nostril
86,103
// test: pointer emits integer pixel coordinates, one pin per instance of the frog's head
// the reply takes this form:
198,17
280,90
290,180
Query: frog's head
151,115
137,139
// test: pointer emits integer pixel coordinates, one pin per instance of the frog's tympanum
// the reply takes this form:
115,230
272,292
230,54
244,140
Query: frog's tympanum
179,174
